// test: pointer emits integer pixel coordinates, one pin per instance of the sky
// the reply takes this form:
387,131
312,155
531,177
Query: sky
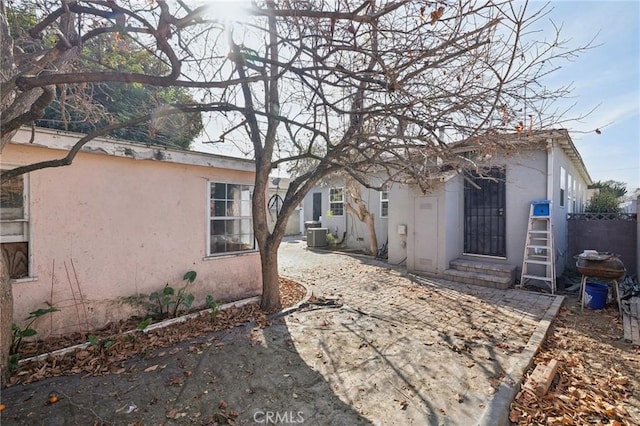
605,77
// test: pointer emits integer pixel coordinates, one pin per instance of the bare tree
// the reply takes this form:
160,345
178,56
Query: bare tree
360,209
316,86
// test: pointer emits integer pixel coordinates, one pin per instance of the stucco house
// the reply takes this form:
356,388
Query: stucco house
277,189
96,237
470,228
326,203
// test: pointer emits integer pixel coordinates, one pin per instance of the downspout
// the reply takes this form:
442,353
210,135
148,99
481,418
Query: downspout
550,169
550,187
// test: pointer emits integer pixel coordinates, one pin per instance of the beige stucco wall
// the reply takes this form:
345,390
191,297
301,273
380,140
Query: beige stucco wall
116,228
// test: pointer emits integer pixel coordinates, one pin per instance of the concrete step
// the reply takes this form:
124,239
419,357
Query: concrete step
486,268
476,278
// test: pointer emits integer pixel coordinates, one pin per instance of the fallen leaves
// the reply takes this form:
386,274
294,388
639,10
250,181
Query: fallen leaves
592,388
152,368
96,360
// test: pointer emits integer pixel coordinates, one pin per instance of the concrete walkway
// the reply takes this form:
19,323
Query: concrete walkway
380,347
409,350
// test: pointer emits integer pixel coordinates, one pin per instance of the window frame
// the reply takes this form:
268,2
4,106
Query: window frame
26,236
384,200
336,203
563,186
570,204
242,216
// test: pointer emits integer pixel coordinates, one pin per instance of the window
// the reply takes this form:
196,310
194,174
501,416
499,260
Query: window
580,199
574,196
230,219
336,202
570,193
563,185
384,203
14,225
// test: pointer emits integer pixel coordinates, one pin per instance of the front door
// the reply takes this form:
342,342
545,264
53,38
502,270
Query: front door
317,205
484,213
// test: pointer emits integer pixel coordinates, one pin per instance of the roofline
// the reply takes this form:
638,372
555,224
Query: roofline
540,136
572,152
58,139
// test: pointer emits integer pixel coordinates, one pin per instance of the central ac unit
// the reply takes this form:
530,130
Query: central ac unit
317,237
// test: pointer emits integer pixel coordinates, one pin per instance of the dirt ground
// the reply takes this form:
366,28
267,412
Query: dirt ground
147,380
114,347
598,380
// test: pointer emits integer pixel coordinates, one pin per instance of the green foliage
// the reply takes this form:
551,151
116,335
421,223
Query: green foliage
619,189
213,305
17,333
142,325
163,298
85,107
332,240
169,302
607,199
101,343
14,362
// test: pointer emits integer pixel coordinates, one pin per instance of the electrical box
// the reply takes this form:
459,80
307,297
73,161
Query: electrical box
317,237
402,229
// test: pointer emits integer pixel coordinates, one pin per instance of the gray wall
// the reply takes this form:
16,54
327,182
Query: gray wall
526,180
530,175
561,232
618,236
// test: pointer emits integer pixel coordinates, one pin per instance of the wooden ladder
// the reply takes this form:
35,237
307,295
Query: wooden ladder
539,251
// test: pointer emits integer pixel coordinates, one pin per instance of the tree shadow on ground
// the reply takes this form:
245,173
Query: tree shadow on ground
248,375
435,351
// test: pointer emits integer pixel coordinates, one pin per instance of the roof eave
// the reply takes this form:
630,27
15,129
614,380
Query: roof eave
55,139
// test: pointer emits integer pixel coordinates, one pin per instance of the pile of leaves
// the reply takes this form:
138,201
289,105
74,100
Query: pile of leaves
598,374
108,353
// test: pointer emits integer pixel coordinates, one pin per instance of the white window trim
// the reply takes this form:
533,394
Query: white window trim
336,202
382,201
209,218
563,187
27,236
569,193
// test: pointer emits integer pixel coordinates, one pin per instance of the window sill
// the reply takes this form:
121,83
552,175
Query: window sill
23,280
231,254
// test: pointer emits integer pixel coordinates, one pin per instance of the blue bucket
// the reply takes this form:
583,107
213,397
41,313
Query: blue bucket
596,295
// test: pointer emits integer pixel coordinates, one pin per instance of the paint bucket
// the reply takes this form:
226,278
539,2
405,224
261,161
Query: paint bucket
596,295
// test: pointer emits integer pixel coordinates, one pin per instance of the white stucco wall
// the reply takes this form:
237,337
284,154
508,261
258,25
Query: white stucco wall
116,228
400,204
526,180
559,213
357,234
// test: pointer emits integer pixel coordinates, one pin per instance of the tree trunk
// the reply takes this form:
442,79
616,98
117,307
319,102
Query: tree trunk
270,277
373,239
356,206
6,319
